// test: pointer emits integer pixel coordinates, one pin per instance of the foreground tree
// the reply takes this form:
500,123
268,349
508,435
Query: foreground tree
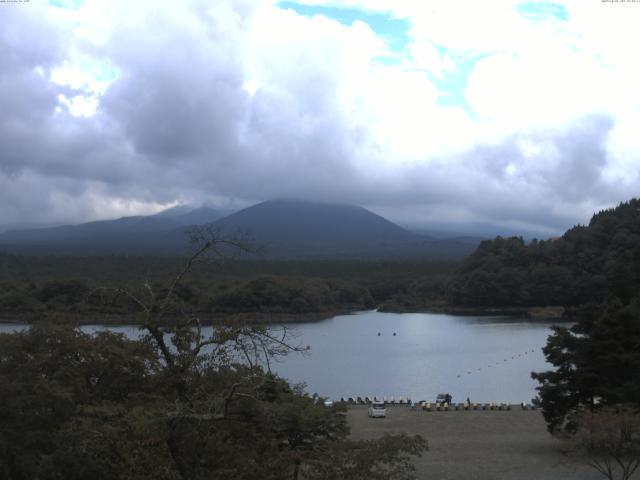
173,404
592,398
597,363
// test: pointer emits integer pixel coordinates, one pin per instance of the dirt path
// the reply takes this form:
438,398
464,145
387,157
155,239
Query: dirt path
477,445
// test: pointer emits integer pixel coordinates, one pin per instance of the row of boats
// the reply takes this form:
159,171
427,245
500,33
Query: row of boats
433,406
374,399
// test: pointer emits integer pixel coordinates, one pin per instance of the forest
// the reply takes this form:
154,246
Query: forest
85,288
585,264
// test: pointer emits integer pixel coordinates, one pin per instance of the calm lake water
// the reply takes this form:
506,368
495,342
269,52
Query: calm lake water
488,359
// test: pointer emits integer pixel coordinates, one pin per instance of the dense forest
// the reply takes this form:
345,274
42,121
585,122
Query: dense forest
87,288
586,264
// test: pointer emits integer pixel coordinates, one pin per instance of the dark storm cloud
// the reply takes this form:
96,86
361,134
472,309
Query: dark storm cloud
178,124
26,96
28,47
186,112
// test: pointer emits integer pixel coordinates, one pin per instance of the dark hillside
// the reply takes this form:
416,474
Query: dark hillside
315,225
296,229
285,230
586,264
127,232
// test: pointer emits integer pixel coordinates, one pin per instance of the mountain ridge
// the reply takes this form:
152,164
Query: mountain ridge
285,228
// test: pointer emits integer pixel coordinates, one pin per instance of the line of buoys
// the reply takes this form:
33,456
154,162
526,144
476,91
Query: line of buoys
497,363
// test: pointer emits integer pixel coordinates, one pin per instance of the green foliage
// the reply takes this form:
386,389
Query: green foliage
174,404
597,362
31,286
585,264
47,373
75,406
295,295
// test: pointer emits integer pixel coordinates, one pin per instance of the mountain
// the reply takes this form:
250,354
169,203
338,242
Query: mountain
294,223
283,228
121,235
297,229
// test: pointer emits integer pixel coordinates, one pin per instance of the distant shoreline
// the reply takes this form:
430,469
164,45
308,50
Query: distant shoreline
262,318
552,312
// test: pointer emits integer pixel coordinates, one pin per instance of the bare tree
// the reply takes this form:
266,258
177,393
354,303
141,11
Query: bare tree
609,439
179,335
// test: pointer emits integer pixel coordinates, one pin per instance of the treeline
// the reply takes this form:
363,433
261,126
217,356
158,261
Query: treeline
290,295
263,294
587,264
91,289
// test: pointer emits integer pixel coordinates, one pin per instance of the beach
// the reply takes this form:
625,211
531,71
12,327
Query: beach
477,445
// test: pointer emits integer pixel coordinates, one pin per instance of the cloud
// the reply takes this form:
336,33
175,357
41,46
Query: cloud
115,108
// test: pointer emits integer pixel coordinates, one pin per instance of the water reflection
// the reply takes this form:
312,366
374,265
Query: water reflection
484,358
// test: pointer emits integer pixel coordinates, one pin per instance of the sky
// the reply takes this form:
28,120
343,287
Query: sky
516,113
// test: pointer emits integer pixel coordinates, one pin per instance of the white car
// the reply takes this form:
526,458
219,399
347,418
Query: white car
377,409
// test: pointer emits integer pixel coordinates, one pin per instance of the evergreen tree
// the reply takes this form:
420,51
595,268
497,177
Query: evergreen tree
597,363
587,264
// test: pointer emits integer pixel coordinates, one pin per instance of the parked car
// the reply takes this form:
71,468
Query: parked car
443,398
377,409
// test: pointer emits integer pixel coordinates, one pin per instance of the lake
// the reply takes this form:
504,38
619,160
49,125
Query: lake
488,359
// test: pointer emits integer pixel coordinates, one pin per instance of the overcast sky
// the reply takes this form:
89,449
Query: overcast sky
525,114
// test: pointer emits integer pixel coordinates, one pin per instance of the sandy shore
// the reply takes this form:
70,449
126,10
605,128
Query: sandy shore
477,445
